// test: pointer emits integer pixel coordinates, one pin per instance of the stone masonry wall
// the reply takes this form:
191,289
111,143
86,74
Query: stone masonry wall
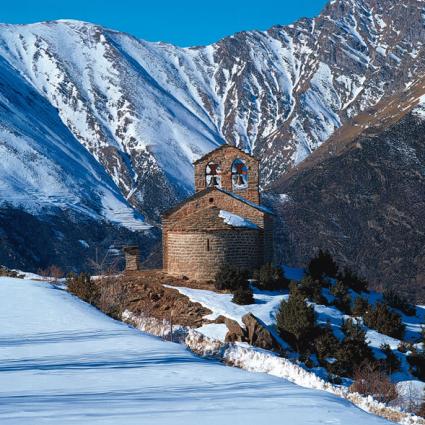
223,201
201,255
132,258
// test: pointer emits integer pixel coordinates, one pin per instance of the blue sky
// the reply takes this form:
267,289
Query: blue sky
184,22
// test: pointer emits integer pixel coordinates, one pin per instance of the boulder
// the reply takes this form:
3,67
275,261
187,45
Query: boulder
220,319
258,335
235,332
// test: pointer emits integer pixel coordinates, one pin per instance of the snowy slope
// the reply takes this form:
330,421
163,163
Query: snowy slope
266,306
142,134
43,166
64,362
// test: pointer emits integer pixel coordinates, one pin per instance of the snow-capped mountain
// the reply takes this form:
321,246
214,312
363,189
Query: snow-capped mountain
146,110
99,121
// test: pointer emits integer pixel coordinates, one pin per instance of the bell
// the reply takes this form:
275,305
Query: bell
240,180
213,181
213,169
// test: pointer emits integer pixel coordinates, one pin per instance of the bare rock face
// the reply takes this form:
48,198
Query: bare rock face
236,333
255,333
258,335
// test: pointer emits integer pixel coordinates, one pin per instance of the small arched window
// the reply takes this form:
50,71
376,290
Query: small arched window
239,174
213,175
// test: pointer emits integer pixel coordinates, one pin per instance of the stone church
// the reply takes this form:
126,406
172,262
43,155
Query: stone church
223,222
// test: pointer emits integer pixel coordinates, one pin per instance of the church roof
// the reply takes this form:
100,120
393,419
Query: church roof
261,208
201,193
212,219
224,146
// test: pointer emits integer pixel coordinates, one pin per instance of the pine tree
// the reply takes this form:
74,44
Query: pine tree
352,281
417,363
353,350
360,307
342,297
385,321
391,363
231,278
312,289
296,320
395,300
243,296
323,265
270,278
326,344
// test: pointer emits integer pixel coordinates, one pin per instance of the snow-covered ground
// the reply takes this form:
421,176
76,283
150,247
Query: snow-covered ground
267,305
62,362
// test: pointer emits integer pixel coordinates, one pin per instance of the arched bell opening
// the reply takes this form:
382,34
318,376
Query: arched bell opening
213,175
239,174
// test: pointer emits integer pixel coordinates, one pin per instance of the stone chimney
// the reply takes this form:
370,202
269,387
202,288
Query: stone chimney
132,258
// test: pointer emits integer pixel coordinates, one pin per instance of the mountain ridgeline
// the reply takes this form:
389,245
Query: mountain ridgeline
97,122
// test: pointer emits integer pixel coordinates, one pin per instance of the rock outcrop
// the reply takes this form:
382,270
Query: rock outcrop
235,332
258,335
255,333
